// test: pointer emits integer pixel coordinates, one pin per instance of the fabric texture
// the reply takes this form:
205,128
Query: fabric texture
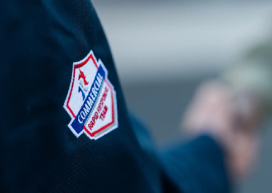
40,40
197,166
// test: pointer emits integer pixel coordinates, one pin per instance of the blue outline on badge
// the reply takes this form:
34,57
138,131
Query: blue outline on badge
90,105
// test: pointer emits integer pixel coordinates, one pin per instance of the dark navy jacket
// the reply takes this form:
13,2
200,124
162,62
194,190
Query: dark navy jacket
39,41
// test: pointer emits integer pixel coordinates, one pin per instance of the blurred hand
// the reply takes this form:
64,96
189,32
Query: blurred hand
231,120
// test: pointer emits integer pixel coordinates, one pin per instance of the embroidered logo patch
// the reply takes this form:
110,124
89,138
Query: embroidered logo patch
91,100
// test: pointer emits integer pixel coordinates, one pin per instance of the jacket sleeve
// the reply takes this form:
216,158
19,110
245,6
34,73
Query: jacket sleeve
196,166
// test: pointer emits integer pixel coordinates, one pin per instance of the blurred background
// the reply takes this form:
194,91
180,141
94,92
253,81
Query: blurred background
164,49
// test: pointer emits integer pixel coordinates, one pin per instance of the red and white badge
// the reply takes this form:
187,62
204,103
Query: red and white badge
91,100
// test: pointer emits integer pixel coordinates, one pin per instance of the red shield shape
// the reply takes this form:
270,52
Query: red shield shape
91,99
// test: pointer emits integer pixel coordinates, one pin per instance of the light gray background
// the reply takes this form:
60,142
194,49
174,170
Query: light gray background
164,49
